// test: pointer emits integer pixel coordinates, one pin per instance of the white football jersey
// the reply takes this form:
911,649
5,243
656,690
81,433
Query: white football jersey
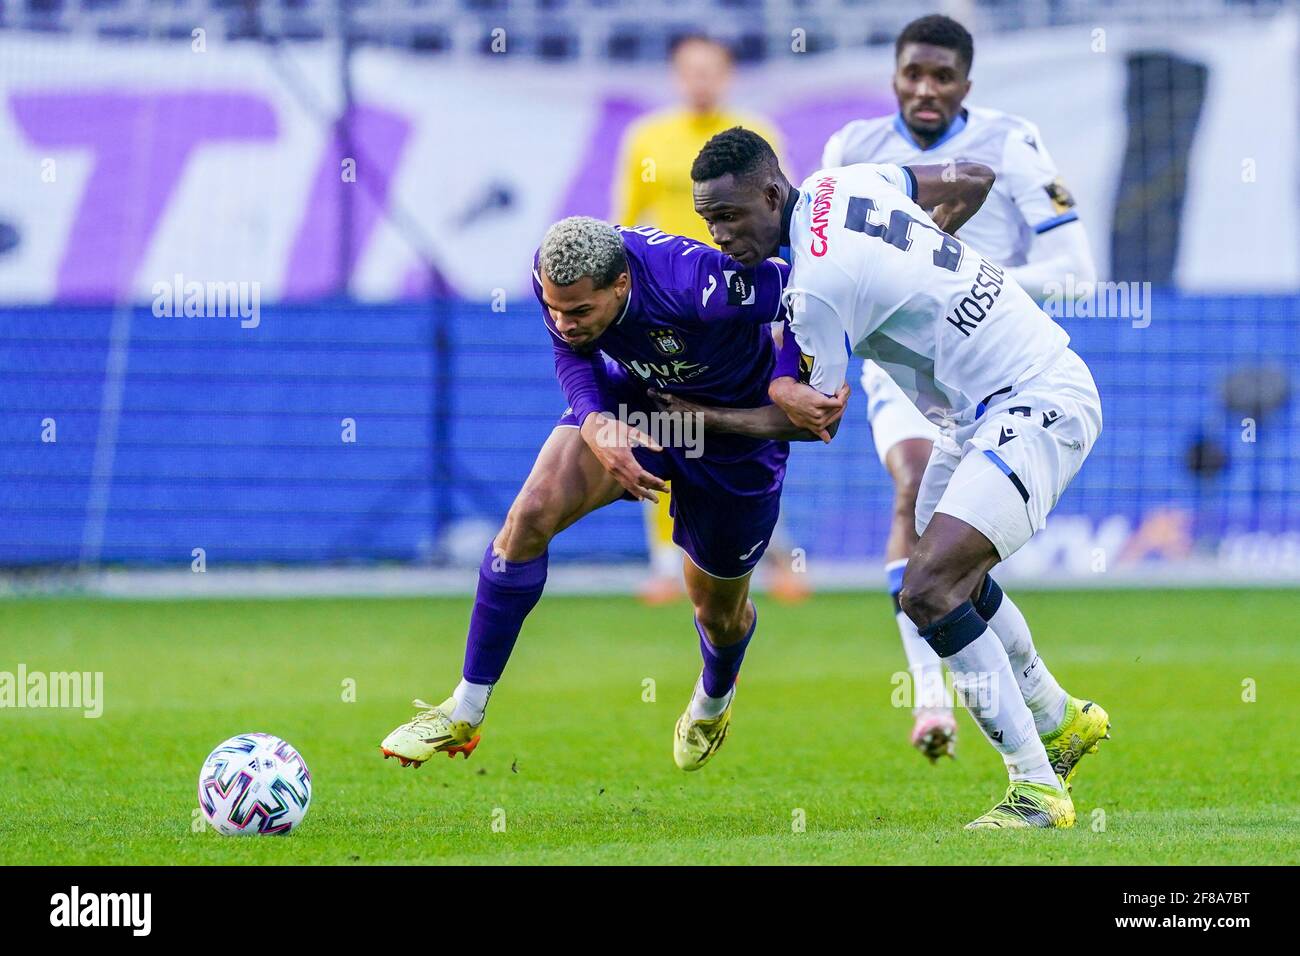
1028,197
947,324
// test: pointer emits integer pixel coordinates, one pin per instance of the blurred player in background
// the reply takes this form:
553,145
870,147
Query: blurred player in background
653,188
1018,413
1027,225
628,311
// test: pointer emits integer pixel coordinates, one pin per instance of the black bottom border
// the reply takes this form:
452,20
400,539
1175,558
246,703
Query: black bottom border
361,902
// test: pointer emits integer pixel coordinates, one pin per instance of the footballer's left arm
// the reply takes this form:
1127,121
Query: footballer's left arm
1059,260
953,192
724,290
1060,251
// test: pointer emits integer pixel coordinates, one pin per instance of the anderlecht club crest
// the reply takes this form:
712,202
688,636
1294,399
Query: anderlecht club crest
667,341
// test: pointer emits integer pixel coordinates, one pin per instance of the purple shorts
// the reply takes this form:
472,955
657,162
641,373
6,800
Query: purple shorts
724,502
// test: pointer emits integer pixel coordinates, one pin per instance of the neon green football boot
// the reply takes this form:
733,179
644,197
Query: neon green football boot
432,731
1029,806
696,741
1084,725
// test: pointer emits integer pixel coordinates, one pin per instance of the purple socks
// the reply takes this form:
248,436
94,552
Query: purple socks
507,591
722,664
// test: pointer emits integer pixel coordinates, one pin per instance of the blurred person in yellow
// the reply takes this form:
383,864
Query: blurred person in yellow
652,187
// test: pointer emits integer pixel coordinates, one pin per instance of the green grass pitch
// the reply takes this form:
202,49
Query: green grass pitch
579,767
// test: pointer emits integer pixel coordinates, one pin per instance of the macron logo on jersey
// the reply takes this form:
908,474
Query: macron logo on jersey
821,209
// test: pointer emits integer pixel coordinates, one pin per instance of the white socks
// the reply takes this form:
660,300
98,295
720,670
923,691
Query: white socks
1045,697
928,691
471,701
704,707
982,678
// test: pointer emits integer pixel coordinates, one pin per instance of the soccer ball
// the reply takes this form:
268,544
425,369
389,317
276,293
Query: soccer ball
254,785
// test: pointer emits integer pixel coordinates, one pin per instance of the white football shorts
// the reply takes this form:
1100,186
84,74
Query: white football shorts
1003,472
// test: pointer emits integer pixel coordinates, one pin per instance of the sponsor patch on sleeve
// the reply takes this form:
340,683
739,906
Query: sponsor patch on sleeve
740,288
1062,199
805,368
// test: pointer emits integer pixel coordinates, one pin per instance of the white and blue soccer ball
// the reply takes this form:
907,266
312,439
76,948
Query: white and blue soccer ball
254,785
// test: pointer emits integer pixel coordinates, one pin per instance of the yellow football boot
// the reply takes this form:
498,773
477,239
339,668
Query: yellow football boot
696,741
1029,806
1084,725
432,731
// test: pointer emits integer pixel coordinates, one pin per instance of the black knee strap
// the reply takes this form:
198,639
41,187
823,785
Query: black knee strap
955,630
990,598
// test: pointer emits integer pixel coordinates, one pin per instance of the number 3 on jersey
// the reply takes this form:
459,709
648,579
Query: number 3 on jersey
898,233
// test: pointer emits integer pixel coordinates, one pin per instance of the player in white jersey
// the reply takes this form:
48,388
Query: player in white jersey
1017,413
1027,225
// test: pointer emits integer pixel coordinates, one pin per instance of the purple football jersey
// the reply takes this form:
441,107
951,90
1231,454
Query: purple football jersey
696,324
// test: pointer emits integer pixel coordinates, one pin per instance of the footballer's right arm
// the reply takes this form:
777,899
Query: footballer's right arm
766,421
811,365
803,414
610,439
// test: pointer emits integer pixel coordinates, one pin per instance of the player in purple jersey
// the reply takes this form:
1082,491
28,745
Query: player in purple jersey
631,312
